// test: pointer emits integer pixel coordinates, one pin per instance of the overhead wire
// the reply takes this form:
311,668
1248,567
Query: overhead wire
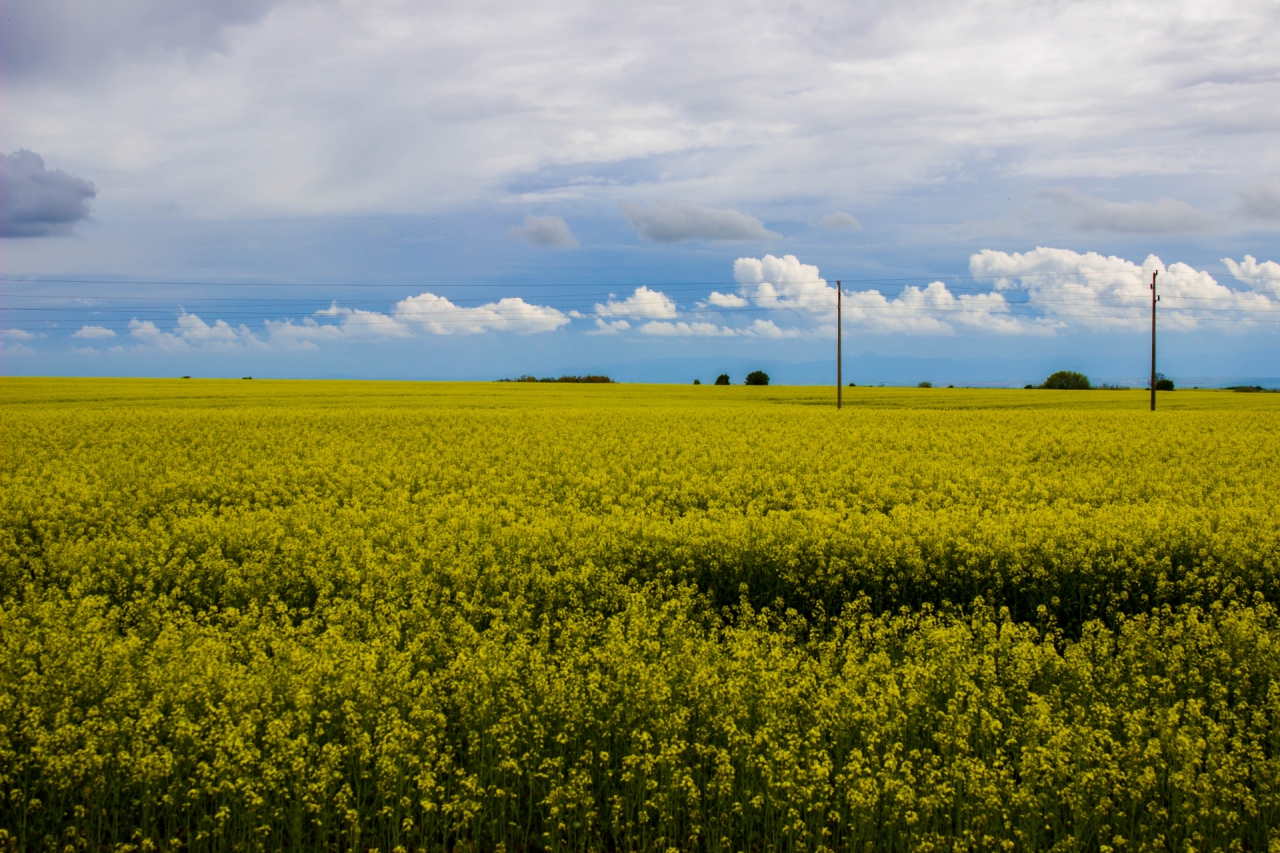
146,309
697,283
448,318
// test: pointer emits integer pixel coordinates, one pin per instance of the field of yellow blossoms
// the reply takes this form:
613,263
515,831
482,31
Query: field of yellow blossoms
322,616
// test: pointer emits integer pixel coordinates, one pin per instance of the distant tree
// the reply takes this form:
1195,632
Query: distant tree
757,377
1029,385
590,378
925,385
1067,380
1163,384
722,379
697,382
852,385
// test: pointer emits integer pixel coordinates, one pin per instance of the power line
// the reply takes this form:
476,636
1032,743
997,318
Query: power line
256,310
753,291
249,313
449,318
943,277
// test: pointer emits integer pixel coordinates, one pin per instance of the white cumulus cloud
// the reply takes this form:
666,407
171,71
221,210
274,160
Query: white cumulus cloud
667,329
1107,292
769,329
1265,275
94,332
784,282
609,328
432,314
642,303
787,283
935,310
425,313
191,332
726,300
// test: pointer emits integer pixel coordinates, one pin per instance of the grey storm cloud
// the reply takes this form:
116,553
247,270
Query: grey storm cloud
672,222
1261,200
1086,213
545,231
37,202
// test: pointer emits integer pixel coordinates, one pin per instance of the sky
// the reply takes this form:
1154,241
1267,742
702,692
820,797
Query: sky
660,192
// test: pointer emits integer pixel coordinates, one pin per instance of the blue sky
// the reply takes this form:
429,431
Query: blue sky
383,189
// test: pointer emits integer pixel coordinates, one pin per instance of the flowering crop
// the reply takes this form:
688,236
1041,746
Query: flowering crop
393,616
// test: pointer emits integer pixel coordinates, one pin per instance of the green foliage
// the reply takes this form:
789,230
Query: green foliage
588,379
757,377
1067,380
697,382
722,379
350,616
1164,384
924,385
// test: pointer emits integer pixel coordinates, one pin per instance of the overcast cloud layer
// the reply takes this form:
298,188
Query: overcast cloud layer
256,108
759,149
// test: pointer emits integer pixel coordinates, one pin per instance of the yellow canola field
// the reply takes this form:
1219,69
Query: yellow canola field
424,616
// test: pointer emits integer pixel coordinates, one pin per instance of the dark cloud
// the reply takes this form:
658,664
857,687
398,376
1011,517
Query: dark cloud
37,202
545,231
1262,200
671,222
841,222
1164,216
70,37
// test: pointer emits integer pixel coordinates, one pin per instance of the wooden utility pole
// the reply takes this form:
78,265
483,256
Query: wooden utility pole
839,353
1154,300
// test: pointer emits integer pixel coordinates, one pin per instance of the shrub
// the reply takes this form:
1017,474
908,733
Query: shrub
925,385
1067,380
590,378
722,379
757,377
1164,384
697,382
